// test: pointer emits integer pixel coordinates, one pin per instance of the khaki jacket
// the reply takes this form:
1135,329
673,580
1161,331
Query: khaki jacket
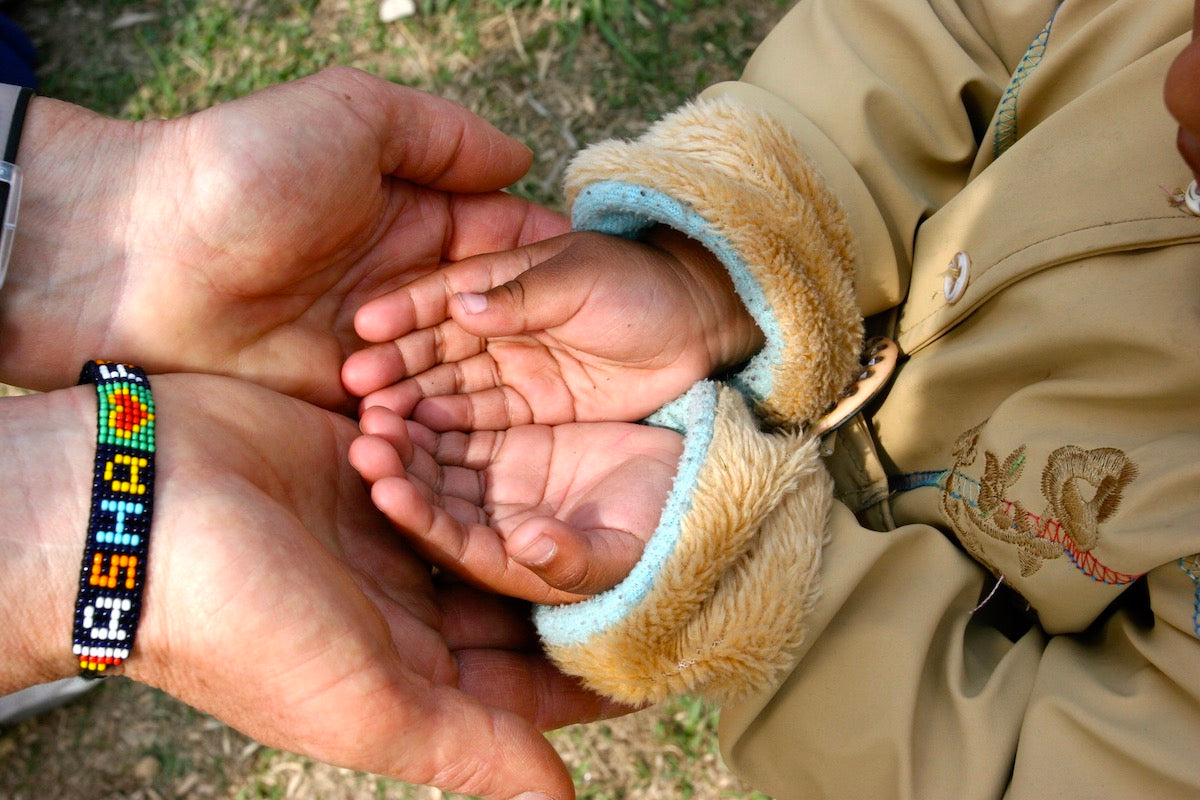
1006,598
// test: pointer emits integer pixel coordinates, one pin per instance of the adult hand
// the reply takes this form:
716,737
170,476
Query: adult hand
584,327
241,240
544,513
278,599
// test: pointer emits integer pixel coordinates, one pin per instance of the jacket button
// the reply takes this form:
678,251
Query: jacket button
956,277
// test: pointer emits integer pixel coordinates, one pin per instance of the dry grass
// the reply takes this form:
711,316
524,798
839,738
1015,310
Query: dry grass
542,74
129,742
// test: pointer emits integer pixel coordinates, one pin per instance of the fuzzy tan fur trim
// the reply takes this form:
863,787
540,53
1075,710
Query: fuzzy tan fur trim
743,172
726,614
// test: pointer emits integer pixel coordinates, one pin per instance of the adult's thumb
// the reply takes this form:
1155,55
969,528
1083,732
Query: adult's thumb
486,752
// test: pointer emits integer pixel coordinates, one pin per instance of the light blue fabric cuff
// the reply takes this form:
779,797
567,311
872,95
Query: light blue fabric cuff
693,415
629,210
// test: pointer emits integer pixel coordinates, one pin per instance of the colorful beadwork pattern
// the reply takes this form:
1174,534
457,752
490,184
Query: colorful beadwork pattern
113,571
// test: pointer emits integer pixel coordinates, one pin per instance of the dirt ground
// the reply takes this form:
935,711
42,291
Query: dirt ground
126,741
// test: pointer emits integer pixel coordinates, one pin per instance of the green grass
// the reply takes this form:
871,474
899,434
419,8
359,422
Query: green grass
556,73
635,31
186,55
190,55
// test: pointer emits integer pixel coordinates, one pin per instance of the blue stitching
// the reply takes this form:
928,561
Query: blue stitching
1195,576
918,480
1006,131
958,485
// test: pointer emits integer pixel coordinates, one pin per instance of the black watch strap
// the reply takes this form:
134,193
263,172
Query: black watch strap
13,102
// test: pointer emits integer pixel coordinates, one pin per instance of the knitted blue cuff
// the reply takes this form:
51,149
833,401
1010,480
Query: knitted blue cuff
628,210
691,414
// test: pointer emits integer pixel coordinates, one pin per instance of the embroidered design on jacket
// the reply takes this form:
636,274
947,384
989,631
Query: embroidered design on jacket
980,509
1191,568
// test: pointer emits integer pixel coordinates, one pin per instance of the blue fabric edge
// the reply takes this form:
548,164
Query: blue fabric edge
693,414
627,210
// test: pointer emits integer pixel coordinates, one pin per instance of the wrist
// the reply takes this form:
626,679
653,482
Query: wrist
69,250
731,334
50,439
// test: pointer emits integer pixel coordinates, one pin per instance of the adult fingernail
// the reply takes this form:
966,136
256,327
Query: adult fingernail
473,303
533,796
535,551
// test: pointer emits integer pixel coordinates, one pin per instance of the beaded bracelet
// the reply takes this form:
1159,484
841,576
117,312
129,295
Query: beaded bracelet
113,571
